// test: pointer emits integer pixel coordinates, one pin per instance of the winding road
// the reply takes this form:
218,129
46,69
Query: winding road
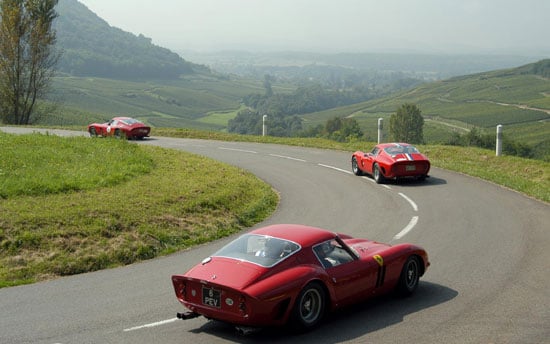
489,281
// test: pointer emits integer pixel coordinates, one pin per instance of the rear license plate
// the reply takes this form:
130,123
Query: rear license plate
211,297
410,168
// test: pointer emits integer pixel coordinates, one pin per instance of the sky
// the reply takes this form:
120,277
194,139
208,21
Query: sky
519,27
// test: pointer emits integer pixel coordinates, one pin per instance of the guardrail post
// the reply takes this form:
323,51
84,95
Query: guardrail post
380,127
499,140
264,127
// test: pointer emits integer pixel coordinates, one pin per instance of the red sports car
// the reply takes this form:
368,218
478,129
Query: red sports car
293,274
391,161
123,127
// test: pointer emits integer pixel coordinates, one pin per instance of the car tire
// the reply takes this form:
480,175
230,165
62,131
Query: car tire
309,308
377,174
93,132
119,134
410,275
355,167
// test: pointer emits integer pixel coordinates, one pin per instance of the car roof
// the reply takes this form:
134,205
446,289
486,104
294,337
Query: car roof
393,144
301,234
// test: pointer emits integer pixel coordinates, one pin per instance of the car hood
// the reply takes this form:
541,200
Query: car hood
232,273
367,248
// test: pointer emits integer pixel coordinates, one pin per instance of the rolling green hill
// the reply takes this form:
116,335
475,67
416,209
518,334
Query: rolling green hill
185,102
518,99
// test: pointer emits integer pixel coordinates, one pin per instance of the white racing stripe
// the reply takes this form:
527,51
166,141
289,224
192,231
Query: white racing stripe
158,323
407,229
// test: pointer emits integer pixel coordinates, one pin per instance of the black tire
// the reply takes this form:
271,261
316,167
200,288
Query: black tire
93,132
410,275
119,134
355,168
377,174
309,308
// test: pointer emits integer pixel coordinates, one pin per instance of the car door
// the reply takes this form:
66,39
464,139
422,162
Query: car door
352,278
368,159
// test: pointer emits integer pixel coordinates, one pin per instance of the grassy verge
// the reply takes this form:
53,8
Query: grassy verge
168,201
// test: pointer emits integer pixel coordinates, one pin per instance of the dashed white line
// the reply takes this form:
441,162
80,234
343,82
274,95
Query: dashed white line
415,207
287,157
407,229
238,150
335,168
158,323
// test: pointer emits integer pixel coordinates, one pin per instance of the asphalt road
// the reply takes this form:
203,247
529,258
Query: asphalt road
488,282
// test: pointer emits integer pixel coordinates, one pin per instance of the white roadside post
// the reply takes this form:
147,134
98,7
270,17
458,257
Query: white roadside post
380,127
499,140
264,128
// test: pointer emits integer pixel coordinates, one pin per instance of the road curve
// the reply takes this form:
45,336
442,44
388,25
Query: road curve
488,282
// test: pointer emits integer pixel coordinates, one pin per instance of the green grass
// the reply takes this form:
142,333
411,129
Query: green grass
169,201
35,165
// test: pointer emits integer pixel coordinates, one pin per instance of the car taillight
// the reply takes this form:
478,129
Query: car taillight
179,287
242,305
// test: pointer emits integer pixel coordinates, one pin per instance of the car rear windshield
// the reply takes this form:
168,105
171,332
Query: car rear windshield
397,149
262,250
130,121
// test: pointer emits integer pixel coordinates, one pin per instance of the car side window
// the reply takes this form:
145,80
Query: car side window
330,254
375,151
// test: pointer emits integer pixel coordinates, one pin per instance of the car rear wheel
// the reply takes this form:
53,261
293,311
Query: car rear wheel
410,274
93,132
119,134
355,167
377,174
309,308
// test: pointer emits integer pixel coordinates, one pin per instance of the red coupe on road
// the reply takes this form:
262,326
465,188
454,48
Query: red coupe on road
122,127
294,274
391,161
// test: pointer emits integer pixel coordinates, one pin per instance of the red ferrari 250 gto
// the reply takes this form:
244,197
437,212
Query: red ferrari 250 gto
123,127
391,161
293,274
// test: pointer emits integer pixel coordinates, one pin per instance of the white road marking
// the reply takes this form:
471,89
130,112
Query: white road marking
415,207
158,323
407,229
287,157
238,150
335,168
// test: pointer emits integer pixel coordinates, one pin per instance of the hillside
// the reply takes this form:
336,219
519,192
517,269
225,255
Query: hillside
517,98
91,47
186,102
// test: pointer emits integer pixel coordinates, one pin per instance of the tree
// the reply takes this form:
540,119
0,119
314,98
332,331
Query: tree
407,124
27,57
342,129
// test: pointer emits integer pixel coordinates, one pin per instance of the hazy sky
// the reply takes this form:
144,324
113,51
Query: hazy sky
450,26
